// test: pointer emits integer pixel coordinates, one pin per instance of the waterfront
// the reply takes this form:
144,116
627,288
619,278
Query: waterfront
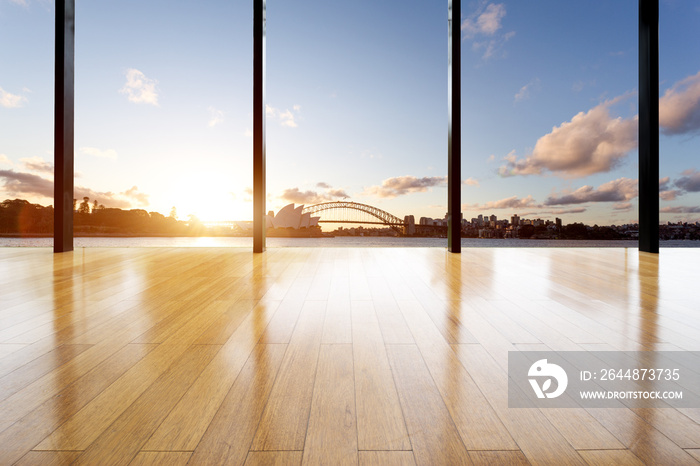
345,241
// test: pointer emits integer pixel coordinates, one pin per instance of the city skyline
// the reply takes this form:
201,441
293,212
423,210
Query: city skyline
356,107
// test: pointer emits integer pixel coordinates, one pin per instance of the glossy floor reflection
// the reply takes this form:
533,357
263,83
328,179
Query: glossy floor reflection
328,356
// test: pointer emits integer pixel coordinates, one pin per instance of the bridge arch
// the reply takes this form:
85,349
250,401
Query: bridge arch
383,216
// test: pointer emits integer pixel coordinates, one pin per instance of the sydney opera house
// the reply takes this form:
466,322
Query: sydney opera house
289,217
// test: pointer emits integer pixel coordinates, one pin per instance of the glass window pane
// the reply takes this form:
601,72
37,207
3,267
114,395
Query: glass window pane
549,119
679,120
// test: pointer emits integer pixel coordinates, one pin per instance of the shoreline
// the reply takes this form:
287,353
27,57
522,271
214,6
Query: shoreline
321,236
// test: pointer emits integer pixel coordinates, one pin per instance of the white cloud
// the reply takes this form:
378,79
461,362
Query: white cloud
400,185
22,183
679,107
492,47
512,202
595,142
471,181
622,206
619,190
485,21
575,210
690,181
28,184
5,160
592,142
134,194
665,191
215,116
297,196
8,100
680,210
140,89
37,164
95,152
524,92
286,117
483,27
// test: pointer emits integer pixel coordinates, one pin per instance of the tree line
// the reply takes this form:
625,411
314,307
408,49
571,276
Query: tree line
20,217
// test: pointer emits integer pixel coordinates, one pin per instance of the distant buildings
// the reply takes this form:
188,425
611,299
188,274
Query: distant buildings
290,221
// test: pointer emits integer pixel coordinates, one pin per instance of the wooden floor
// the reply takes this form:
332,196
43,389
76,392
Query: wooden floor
328,356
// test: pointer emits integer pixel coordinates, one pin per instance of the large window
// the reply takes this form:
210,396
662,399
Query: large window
26,117
548,118
679,118
357,105
163,115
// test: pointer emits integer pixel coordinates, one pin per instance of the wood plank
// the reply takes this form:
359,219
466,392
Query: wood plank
695,453
48,458
273,458
161,458
510,330
443,314
477,422
222,329
394,329
8,348
489,457
80,314
337,327
84,427
331,437
285,418
230,433
23,402
380,422
640,437
608,457
177,316
281,327
39,423
25,375
538,439
386,458
182,431
433,435
129,432
577,426
125,315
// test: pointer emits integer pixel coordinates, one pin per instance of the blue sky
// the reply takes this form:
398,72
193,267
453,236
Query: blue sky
357,106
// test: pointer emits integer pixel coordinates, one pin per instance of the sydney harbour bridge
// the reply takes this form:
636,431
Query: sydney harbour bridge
352,212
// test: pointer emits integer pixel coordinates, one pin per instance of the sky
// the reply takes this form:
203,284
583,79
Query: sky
356,97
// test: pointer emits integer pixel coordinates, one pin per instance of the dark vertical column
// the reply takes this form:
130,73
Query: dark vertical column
454,129
259,223
649,126
63,126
